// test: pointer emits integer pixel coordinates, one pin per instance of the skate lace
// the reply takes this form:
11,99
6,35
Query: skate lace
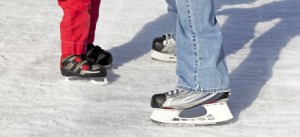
174,92
169,39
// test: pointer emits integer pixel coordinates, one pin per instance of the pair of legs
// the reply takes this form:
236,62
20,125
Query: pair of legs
201,62
78,25
201,67
79,57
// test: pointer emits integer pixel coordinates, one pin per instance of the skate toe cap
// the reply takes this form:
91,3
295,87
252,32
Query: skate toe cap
158,100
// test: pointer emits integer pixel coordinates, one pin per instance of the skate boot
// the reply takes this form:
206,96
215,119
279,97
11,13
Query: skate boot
190,108
75,67
96,55
164,48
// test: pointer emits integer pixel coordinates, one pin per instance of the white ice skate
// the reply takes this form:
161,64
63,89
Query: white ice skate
180,108
163,48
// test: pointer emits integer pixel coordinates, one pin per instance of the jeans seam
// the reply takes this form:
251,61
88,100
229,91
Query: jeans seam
190,14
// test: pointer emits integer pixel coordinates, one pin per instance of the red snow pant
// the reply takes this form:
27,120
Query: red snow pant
78,25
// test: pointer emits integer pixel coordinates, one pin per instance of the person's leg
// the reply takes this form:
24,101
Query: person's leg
94,12
74,26
201,68
172,11
96,54
201,62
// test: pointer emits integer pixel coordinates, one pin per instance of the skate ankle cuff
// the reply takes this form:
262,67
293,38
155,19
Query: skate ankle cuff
221,90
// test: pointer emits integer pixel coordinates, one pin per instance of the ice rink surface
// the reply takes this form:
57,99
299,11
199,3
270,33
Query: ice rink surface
261,41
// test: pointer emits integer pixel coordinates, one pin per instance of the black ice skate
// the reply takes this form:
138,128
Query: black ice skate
190,108
76,67
164,48
96,55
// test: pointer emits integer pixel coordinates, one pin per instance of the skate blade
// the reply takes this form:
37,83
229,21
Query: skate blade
213,114
96,81
163,57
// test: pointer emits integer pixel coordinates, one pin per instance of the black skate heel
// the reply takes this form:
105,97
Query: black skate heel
96,55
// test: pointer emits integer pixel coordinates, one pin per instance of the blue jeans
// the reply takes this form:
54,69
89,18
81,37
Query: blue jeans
201,62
